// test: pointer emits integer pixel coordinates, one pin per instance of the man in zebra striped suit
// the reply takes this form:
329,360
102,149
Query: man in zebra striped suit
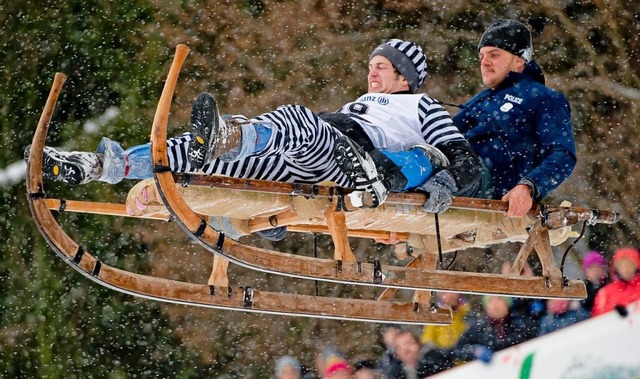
388,139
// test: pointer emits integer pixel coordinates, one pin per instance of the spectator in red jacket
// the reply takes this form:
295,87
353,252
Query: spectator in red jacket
625,283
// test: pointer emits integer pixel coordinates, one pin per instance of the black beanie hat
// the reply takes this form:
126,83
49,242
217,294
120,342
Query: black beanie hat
509,35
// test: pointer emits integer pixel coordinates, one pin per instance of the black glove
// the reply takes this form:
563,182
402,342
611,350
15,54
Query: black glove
439,187
622,311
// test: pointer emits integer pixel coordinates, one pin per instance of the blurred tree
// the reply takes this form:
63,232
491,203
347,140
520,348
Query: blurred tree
53,323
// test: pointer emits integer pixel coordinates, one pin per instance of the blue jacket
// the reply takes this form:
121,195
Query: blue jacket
552,322
495,335
522,129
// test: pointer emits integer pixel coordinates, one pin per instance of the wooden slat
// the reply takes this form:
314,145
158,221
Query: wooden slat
271,302
219,276
425,262
337,224
118,209
99,208
569,214
400,277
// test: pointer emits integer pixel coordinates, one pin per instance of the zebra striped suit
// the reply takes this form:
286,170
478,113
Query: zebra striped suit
301,143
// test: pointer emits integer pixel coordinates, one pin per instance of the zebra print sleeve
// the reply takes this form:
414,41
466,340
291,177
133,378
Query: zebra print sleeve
437,126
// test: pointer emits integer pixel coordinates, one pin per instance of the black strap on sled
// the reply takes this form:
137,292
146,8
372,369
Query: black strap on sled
42,195
438,238
220,241
63,205
337,191
437,223
433,304
377,272
37,195
201,228
96,268
247,298
160,169
79,253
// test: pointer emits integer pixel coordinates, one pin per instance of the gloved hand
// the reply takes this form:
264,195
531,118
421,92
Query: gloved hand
482,353
622,311
439,187
275,234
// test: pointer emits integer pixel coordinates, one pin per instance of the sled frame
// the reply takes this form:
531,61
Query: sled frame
215,294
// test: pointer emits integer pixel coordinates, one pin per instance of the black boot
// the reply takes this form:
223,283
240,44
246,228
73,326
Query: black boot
361,169
70,167
212,137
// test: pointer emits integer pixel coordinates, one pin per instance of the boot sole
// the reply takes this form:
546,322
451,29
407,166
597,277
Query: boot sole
363,173
205,123
56,167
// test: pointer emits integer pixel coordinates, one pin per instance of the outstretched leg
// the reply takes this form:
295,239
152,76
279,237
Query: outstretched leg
109,163
292,137
290,144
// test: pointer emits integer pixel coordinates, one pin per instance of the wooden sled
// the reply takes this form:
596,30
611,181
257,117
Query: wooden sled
216,293
324,211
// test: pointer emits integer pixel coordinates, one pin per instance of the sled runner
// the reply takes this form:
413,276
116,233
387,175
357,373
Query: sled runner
239,207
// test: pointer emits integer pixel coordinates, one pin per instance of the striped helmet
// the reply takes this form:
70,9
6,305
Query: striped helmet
407,58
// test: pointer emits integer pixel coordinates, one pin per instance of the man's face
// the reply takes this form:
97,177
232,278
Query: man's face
496,63
383,77
449,298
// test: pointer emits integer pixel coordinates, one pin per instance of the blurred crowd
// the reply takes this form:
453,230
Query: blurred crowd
478,332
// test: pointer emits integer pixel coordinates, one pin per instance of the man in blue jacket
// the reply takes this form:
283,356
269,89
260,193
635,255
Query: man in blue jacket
520,128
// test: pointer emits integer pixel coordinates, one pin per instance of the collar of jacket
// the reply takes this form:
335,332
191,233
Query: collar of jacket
531,72
403,93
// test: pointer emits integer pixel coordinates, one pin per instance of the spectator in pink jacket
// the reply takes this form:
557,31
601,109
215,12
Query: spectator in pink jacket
595,268
625,283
